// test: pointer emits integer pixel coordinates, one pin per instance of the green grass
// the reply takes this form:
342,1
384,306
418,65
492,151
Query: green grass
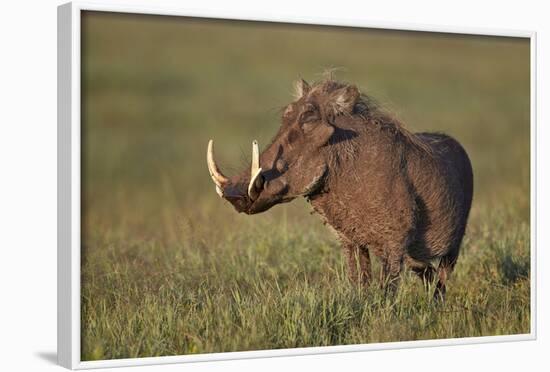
168,268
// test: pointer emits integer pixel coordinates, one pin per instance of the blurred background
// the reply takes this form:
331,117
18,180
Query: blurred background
169,268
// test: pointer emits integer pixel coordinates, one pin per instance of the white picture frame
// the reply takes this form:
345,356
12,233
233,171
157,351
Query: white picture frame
69,156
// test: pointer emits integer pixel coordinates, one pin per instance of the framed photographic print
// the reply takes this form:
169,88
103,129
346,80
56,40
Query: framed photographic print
251,186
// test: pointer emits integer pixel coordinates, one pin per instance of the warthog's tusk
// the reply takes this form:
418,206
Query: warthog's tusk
219,179
255,169
251,187
219,191
255,158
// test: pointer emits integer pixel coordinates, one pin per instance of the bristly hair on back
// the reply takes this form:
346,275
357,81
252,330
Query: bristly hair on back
368,109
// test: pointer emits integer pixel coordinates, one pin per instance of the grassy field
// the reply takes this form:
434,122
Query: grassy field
168,268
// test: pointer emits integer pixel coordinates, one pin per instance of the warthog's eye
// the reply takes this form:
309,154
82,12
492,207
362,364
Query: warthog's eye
310,114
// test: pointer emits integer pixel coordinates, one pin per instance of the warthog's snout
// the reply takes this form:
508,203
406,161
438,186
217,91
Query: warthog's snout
249,194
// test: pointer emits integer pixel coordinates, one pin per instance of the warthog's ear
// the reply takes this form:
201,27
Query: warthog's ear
301,88
344,99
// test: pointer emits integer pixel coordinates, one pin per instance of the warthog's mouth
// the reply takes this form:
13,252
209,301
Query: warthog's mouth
244,204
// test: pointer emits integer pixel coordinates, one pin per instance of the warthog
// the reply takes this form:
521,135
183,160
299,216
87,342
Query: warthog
404,197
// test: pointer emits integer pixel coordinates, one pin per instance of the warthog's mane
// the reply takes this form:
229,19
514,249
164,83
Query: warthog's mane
372,113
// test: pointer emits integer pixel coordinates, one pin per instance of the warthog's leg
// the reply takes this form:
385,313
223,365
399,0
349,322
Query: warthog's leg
444,270
426,274
359,266
425,271
391,268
